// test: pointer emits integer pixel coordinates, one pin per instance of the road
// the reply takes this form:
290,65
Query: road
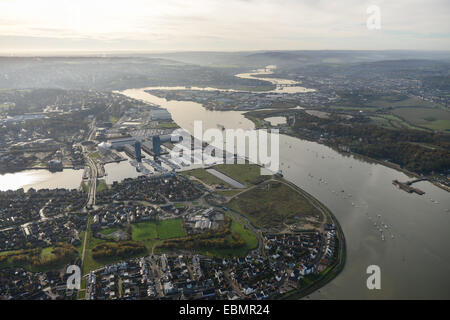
92,190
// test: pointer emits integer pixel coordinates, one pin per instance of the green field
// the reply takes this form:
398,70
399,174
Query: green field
85,186
228,193
433,118
101,185
391,121
89,262
259,123
351,108
167,125
165,229
251,242
47,253
248,174
146,233
441,125
168,229
394,101
37,259
95,155
109,231
143,231
205,177
272,207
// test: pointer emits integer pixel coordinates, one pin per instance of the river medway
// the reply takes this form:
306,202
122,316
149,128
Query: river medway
405,234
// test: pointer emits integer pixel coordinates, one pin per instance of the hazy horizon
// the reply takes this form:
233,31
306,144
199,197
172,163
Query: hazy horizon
211,25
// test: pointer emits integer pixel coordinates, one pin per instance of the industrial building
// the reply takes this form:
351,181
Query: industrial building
156,145
121,142
55,165
137,150
160,114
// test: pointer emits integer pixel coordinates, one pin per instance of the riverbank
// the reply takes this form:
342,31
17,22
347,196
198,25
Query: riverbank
260,124
324,173
292,203
331,272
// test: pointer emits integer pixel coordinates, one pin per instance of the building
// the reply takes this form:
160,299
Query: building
104,146
55,165
156,145
160,114
137,149
121,142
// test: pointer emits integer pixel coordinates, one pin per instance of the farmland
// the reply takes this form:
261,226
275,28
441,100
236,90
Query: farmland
436,119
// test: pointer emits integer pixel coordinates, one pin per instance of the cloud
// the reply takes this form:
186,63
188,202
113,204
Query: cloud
226,25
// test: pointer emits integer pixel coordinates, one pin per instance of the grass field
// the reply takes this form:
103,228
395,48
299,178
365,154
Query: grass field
89,262
147,233
44,256
109,231
95,155
167,125
251,242
271,207
143,231
168,229
85,186
101,185
436,119
205,177
440,125
228,193
351,108
165,229
248,174
46,253
388,101
391,121
259,123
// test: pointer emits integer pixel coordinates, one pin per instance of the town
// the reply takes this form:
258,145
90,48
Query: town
169,223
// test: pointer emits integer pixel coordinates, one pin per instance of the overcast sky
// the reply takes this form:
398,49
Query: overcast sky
160,25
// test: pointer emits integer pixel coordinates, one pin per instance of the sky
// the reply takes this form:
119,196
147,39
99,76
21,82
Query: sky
219,25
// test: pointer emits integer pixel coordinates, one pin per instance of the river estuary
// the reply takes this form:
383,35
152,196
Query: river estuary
407,235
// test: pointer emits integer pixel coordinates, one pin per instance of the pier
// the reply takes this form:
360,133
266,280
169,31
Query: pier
406,186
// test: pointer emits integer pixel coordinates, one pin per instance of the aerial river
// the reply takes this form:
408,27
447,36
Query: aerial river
406,235
413,257
41,179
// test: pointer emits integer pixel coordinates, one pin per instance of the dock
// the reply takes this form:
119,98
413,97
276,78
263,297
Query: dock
406,186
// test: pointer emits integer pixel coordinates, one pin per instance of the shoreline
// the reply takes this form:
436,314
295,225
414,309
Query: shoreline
362,157
337,267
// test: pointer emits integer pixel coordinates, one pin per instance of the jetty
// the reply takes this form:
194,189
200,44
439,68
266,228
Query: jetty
406,186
